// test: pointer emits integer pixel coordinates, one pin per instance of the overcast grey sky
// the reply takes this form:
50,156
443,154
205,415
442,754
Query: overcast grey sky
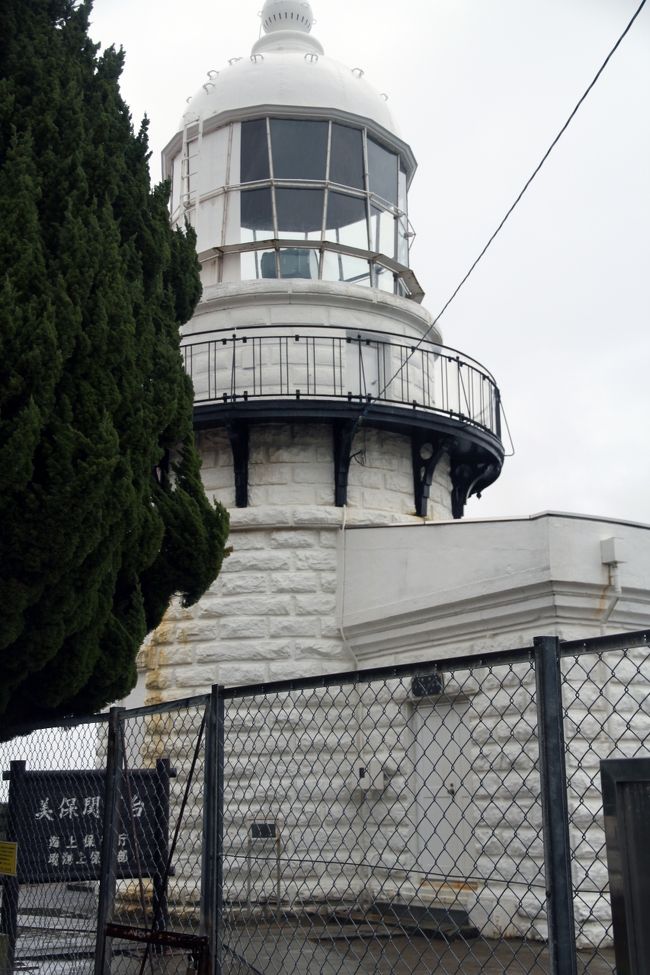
559,310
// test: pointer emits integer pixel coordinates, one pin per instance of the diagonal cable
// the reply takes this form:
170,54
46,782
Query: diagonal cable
508,214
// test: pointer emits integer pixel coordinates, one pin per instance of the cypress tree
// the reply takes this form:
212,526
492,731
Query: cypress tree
103,518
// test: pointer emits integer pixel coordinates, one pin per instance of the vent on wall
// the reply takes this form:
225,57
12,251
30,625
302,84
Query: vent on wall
281,18
290,14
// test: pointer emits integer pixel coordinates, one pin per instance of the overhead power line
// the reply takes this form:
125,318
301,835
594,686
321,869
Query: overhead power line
509,212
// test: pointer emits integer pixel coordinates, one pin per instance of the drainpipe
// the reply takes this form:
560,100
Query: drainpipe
340,609
364,810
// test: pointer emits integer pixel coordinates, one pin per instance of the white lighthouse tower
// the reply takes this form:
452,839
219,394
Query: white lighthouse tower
324,397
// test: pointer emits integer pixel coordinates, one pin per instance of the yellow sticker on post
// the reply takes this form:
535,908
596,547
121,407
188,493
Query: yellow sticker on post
8,859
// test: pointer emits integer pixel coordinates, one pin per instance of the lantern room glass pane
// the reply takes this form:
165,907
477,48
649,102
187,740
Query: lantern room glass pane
299,148
341,267
249,265
256,215
382,231
267,264
401,188
402,241
346,220
300,212
401,288
384,278
254,151
298,262
382,171
192,160
346,156
257,264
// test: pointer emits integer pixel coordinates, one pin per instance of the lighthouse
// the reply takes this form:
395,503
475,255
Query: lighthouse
324,395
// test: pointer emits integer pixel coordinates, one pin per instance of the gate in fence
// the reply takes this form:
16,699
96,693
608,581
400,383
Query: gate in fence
440,817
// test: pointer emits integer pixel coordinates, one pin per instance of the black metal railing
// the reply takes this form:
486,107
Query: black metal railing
271,362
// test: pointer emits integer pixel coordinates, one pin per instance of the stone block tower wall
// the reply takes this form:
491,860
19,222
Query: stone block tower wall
273,612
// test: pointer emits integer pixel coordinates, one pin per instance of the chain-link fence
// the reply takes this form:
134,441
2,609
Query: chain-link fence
443,817
108,818
606,698
156,912
51,904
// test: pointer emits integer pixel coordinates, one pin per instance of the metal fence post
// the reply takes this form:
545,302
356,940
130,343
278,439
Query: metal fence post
10,887
219,851
114,760
212,863
555,808
160,905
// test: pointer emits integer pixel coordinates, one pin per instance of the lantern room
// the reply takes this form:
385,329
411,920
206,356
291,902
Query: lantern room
291,170
311,187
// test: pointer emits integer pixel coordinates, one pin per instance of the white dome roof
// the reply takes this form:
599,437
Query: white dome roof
287,67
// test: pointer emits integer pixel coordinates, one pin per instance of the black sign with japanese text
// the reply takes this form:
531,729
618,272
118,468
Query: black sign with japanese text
57,820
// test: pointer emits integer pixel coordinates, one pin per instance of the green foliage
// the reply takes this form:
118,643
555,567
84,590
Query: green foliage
102,514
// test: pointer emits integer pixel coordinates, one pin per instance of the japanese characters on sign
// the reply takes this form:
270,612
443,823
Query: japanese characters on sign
58,819
65,855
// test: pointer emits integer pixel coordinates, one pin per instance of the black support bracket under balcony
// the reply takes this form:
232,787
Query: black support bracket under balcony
475,454
343,431
237,431
462,478
426,451
468,477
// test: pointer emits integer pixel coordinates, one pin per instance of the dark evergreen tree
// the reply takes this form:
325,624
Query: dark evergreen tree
103,517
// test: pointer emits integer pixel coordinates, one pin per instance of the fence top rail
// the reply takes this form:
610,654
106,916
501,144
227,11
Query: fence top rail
28,728
497,658
490,658
601,644
182,704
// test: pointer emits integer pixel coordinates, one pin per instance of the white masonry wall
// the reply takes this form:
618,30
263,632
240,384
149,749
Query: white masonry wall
294,465
272,612
447,590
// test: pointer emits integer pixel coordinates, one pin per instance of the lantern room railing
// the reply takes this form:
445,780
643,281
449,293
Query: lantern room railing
259,363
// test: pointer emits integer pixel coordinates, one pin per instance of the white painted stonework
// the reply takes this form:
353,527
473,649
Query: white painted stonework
273,610
485,585
296,303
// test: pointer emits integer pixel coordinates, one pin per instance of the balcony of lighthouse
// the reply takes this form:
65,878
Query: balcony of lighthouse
290,169
444,401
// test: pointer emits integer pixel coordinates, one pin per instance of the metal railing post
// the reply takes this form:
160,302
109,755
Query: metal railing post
114,759
555,808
